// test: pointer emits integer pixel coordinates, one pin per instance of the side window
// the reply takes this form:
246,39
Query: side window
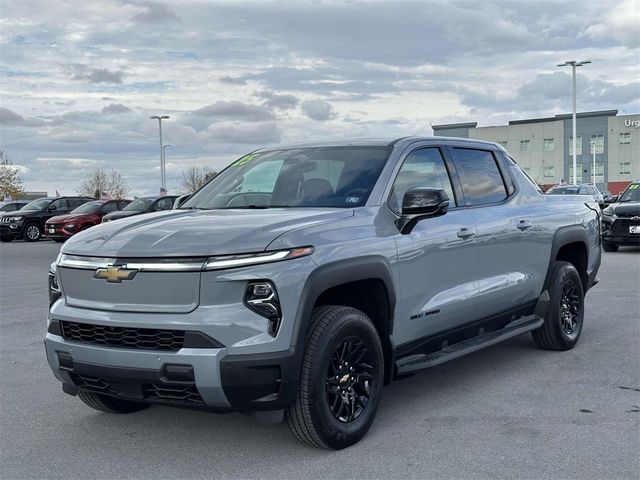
582,191
60,205
75,202
121,205
164,203
481,180
109,207
422,168
591,190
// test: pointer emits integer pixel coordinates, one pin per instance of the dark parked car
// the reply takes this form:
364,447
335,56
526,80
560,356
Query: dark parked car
62,227
621,220
13,205
28,222
142,205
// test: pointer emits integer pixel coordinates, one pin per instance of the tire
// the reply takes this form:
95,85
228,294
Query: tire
563,323
319,416
31,232
104,403
6,239
609,247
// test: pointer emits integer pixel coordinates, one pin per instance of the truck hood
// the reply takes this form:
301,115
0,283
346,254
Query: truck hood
196,233
625,209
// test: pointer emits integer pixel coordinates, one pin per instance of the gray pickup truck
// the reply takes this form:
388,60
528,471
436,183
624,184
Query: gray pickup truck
302,279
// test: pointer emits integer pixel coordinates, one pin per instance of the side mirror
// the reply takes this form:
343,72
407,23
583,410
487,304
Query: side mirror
419,203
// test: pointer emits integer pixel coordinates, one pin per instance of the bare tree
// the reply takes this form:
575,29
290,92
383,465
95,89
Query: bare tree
193,177
10,181
98,181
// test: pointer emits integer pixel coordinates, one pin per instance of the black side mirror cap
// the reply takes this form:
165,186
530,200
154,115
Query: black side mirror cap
419,203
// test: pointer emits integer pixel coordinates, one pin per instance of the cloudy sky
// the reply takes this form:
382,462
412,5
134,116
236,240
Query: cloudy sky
79,79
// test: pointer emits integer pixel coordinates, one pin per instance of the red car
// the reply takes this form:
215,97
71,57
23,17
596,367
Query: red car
64,226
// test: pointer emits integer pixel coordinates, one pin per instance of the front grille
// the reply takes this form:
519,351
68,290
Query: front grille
5,219
54,225
135,338
621,226
183,394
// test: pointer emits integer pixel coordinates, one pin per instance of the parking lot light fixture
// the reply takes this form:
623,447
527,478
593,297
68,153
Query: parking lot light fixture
573,64
160,118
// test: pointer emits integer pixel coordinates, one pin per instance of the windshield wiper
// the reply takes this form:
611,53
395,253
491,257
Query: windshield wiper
259,206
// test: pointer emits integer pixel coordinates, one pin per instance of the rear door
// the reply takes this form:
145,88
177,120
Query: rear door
510,270
438,259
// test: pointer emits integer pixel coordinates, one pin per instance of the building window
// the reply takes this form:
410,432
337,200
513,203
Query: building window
548,144
599,172
525,145
548,172
579,169
625,138
598,142
578,145
625,168
503,143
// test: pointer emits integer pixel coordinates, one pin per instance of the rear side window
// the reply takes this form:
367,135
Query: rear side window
482,182
109,207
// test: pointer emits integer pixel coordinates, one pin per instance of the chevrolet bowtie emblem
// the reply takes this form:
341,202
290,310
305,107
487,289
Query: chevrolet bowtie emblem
115,274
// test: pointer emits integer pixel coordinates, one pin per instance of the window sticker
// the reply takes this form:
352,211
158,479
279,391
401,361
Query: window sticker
244,160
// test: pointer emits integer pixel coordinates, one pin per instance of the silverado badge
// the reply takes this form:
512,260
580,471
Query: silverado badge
115,273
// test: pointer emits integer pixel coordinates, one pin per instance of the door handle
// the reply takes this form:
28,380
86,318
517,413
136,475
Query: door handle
465,233
524,225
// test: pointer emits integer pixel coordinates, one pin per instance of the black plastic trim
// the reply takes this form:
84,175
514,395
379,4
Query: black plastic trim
264,381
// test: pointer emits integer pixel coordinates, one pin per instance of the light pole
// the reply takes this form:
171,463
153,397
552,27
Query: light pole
593,149
164,164
160,118
574,64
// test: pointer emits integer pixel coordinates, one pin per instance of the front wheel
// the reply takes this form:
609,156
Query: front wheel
563,323
341,379
31,232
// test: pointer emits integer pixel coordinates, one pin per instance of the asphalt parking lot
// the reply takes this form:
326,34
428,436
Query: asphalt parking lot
511,411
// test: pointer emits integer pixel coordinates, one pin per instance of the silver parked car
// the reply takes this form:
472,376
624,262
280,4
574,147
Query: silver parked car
582,189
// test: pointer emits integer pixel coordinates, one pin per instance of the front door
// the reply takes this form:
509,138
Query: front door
438,259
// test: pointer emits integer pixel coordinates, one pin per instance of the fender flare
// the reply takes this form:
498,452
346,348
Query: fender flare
337,273
564,236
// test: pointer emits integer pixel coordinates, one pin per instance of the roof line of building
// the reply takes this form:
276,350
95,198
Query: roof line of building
561,116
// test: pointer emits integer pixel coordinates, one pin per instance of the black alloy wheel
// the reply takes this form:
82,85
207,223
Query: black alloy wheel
349,379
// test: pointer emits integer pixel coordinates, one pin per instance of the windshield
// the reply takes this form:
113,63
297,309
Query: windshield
39,204
631,194
339,177
90,207
139,205
564,191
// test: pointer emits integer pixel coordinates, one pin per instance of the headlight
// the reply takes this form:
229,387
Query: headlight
17,219
234,261
262,298
55,292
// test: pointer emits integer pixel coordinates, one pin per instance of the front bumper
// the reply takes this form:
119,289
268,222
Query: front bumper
57,233
616,231
11,230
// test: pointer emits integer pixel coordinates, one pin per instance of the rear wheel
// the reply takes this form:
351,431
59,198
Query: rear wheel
31,233
609,247
563,323
341,380
104,403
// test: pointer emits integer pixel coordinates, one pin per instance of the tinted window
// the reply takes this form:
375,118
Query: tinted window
109,207
60,204
481,180
139,204
421,168
39,204
165,203
89,207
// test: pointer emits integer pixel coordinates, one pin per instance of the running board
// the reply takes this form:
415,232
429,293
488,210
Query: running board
412,363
